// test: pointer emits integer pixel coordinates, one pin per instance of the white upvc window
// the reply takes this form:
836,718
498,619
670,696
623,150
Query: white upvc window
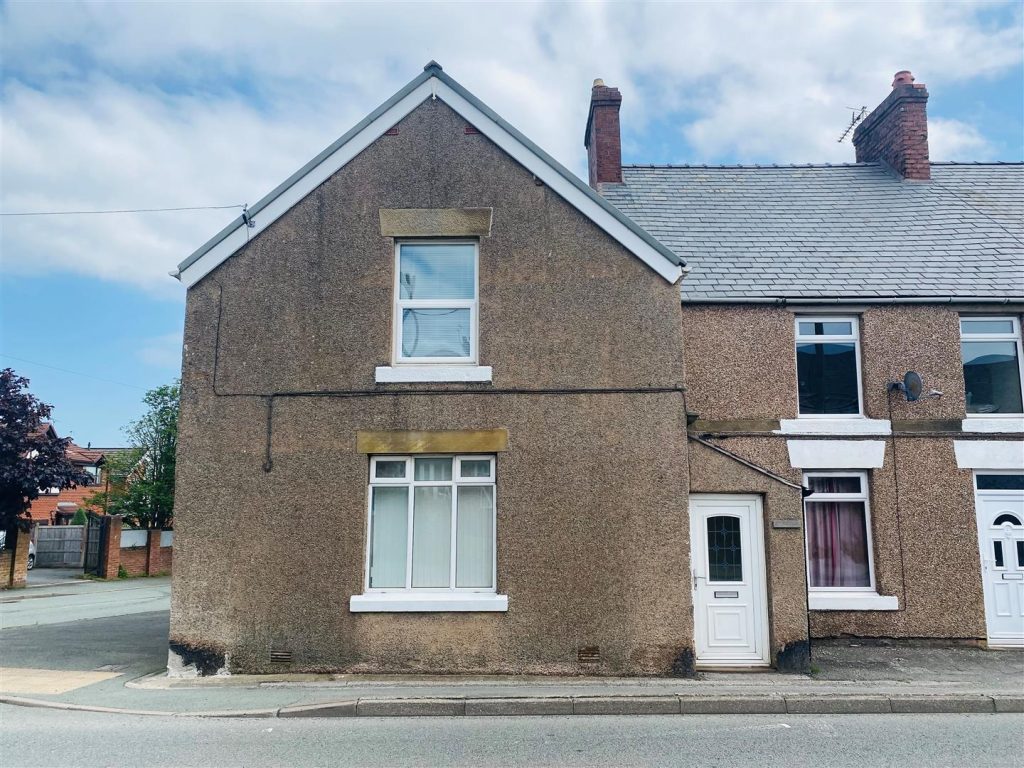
990,348
436,310
828,367
838,533
431,526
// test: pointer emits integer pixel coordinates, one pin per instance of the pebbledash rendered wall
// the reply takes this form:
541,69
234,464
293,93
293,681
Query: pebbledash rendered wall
925,547
592,532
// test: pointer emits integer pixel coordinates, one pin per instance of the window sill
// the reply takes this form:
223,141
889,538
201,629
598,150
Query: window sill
406,602
851,601
1008,423
854,425
387,374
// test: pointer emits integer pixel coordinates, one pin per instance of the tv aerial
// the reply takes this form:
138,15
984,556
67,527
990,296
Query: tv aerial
912,386
855,117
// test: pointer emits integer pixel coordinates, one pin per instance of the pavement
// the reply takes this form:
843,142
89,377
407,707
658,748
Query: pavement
102,646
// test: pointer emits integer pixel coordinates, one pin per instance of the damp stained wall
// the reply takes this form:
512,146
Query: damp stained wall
592,536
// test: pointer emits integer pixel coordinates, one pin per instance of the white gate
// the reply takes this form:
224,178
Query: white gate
59,546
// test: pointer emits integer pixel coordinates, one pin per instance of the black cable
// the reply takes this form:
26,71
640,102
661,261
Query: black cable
122,210
899,523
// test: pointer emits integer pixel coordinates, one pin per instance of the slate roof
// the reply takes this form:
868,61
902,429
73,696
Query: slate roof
761,233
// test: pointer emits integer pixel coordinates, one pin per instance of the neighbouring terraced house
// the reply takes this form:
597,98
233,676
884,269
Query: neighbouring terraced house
446,408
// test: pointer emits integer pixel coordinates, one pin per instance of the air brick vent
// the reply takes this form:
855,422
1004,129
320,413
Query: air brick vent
589,654
279,656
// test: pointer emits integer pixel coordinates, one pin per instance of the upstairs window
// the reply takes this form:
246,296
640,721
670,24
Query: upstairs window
991,351
828,366
436,307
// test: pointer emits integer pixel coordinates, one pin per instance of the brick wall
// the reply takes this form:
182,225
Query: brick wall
896,132
147,560
14,561
603,139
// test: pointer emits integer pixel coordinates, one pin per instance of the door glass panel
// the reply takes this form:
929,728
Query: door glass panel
1020,554
1001,482
997,547
725,555
1006,517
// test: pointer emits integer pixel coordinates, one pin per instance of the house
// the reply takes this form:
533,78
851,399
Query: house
56,506
446,408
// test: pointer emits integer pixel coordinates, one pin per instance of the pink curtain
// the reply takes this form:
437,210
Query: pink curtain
837,544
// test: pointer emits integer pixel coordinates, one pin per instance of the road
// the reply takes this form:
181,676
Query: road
27,738
62,603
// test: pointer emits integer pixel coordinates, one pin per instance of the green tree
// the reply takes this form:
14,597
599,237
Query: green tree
30,458
140,481
79,517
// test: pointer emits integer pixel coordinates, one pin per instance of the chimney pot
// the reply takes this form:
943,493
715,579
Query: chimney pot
896,132
903,77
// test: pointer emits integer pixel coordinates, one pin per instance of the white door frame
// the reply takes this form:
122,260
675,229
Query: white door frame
755,568
983,540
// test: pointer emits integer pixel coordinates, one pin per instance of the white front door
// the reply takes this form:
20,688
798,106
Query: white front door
1000,508
729,600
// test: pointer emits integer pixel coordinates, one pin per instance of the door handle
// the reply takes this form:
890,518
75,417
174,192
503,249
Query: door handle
695,577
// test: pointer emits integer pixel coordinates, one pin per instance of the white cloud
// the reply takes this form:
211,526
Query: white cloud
150,105
956,140
162,351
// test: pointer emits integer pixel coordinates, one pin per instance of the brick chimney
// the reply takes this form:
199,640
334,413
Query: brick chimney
602,139
896,133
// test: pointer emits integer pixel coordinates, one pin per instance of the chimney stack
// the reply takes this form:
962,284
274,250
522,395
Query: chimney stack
896,133
602,139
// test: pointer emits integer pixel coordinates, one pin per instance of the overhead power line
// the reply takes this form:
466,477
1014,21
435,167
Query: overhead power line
122,210
68,370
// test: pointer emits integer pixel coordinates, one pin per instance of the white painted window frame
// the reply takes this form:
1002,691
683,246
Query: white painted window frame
400,304
846,598
455,483
990,422
799,338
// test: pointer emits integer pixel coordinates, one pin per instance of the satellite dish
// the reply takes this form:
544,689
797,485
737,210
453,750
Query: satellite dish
911,386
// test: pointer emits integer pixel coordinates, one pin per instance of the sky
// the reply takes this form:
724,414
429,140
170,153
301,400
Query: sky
153,105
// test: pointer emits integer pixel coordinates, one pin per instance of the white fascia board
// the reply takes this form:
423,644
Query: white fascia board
836,454
989,454
387,374
327,167
838,426
436,602
560,185
522,154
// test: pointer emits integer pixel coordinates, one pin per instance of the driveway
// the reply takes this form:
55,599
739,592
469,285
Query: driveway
44,577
